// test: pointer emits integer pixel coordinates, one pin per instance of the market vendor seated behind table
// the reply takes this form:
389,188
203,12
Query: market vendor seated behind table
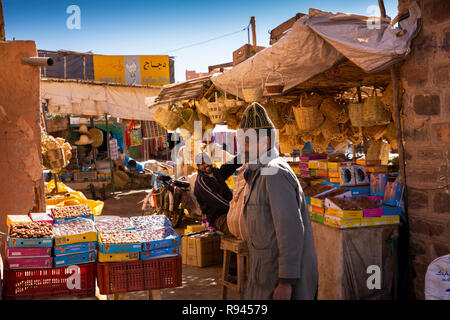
212,192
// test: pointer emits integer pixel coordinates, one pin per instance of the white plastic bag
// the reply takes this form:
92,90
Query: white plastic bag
437,279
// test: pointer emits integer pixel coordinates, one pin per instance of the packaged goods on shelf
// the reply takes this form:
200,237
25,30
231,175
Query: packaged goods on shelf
317,218
318,201
392,219
68,213
391,210
17,218
343,208
111,223
75,231
75,248
75,258
317,164
41,217
342,223
312,157
317,210
347,176
368,207
30,234
337,165
393,194
378,183
361,176
372,221
364,162
377,169
359,191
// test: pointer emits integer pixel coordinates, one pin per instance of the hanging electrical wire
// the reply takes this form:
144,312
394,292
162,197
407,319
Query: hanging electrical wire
206,41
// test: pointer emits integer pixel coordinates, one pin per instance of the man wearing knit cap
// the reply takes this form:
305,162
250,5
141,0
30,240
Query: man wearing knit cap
283,262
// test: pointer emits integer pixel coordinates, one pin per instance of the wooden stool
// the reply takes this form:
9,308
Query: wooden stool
231,245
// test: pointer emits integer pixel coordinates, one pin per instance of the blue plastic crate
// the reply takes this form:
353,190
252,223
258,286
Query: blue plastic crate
359,191
159,253
64,220
77,258
75,248
308,200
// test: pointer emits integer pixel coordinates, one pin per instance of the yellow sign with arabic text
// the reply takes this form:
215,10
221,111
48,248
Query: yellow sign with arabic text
132,70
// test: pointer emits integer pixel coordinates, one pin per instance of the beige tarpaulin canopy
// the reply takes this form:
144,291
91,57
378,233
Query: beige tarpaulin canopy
319,41
97,99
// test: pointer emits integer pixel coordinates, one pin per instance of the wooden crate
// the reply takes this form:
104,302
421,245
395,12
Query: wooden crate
245,52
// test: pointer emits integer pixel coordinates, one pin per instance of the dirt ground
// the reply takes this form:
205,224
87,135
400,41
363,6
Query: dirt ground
198,283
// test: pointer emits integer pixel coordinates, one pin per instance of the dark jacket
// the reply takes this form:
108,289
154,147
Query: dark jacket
212,193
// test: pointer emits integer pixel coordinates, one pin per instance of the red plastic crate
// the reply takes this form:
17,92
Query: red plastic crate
139,275
48,283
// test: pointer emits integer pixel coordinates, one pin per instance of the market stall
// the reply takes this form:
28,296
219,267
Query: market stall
329,83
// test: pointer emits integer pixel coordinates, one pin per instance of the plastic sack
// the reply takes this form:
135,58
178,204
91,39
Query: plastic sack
77,197
437,279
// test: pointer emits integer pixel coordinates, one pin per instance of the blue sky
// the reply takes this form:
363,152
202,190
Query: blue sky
156,27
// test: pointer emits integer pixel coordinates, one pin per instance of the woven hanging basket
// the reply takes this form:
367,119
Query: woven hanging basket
287,143
391,135
306,137
273,113
307,115
252,94
206,123
319,144
189,116
232,121
355,113
378,150
330,130
333,111
216,111
354,135
374,132
168,118
388,97
374,113
202,106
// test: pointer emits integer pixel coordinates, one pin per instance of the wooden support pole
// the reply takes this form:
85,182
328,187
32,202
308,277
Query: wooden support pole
109,153
2,24
382,8
253,24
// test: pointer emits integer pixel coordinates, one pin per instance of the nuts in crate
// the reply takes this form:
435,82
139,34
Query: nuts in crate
159,234
150,222
112,223
71,211
119,237
31,230
77,226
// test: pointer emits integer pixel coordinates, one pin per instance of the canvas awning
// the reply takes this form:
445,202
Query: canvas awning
320,41
96,99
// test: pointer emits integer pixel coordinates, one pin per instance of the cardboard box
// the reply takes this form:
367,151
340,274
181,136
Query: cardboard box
344,214
38,242
30,263
41,217
75,248
312,157
342,223
76,258
119,248
322,173
333,173
17,218
29,252
378,183
347,176
372,221
364,162
76,238
317,164
359,191
317,210
391,211
201,250
317,218
118,257
337,165
392,219
361,176
161,253
377,169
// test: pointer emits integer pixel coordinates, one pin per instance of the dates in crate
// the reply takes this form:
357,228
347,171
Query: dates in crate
150,222
119,237
71,211
30,230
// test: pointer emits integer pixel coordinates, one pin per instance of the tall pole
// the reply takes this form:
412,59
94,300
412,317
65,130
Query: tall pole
2,23
252,22
109,152
382,9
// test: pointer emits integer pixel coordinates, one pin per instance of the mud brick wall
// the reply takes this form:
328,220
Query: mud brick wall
21,180
425,76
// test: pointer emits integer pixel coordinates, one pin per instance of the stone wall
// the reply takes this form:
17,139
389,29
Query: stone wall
21,180
425,76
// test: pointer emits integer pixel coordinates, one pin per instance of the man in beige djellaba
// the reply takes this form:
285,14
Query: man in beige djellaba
283,262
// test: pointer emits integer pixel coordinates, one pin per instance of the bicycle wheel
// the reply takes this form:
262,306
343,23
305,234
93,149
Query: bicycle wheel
175,215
